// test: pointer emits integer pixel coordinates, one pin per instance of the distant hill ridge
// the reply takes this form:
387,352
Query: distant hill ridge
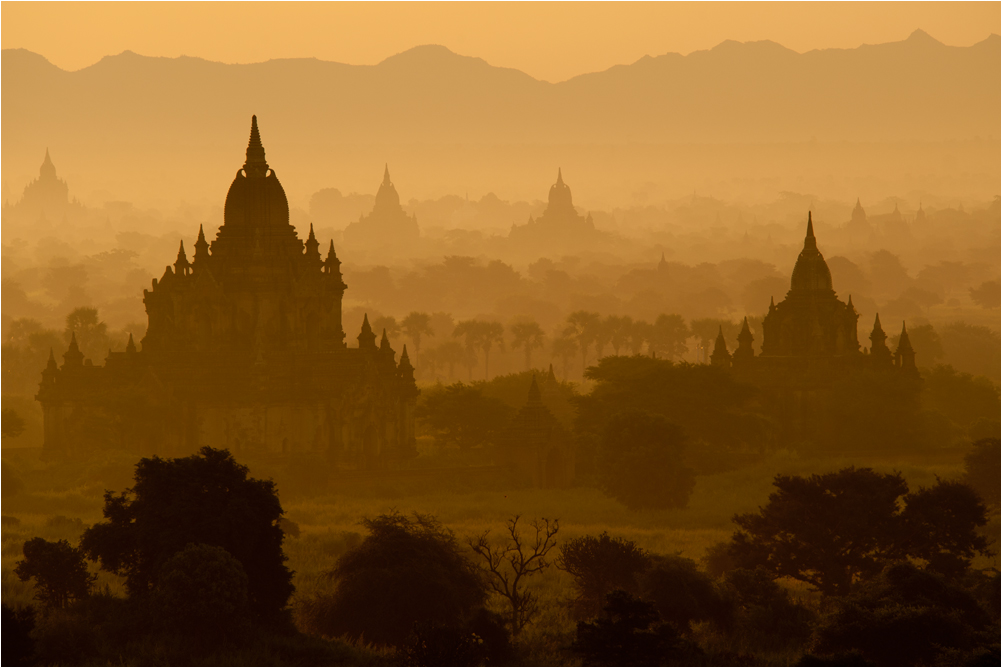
192,110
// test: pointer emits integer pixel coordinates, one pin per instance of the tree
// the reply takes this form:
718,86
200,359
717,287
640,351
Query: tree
480,334
827,530
492,333
408,570
507,565
451,353
940,526
621,328
387,323
836,529
11,423
642,467
526,334
631,633
461,415
668,335
988,294
601,565
417,325
206,498
59,570
982,469
683,594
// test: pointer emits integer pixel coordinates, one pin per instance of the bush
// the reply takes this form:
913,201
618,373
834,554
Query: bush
642,462
406,571
906,617
202,593
630,633
683,594
59,571
600,566
766,617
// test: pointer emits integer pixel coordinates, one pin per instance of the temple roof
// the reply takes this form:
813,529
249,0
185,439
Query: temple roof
811,273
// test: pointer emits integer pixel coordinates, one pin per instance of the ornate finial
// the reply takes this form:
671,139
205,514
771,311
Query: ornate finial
52,360
560,177
384,343
550,376
130,347
181,266
255,164
720,356
73,356
386,174
876,324
201,248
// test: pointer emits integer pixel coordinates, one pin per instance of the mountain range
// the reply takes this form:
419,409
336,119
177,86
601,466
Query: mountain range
159,115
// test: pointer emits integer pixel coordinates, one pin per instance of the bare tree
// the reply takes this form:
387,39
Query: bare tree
509,564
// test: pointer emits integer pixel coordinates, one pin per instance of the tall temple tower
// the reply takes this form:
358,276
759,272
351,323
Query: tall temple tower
387,223
244,350
811,321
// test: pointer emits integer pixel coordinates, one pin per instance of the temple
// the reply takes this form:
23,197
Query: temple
46,198
244,350
386,223
559,223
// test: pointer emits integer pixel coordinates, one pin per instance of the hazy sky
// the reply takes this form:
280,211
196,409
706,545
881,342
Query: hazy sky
551,41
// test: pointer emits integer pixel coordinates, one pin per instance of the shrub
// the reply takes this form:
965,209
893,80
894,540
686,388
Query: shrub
982,469
59,571
405,571
599,566
683,594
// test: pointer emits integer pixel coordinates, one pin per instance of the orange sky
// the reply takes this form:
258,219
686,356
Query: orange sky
551,41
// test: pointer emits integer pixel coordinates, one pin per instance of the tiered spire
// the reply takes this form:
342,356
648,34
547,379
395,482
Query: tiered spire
201,249
181,266
720,356
313,249
879,352
745,339
256,165
130,347
560,177
386,174
73,356
405,369
331,264
384,344
366,338
904,356
535,397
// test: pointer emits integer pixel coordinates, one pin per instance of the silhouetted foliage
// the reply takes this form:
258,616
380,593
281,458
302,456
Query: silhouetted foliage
483,641
961,397
940,526
406,571
988,294
706,401
630,633
18,623
59,571
835,529
507,565
642,465
461,415
202,594
765,617
12,423
683,594
908,617
982,470
601,565
205,498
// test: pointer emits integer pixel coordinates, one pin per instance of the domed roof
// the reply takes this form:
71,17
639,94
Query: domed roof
256,213
560,197
811,273
387,199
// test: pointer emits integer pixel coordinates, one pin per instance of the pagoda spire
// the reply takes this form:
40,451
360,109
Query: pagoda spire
810,241
744,350
256,165
535,397
73,356
720,356
904,356
560,177
181,266
386,174
313,249
130,347
332,265
366,338
201,248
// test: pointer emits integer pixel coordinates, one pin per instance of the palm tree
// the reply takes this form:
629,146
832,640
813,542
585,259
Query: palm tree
387,322
583,326
491,332
526,334
640,331
620,332
565,347
669,335
416,325
471,332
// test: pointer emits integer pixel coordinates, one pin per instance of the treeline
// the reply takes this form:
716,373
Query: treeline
885,578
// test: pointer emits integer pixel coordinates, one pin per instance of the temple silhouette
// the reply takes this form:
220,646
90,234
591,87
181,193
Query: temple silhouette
809,343
45,200
560,226
244,350
387,223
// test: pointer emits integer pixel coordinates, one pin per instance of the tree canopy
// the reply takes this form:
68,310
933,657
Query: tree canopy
206,498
